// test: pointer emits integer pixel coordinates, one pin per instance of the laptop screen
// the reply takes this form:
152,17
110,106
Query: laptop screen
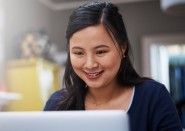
64,121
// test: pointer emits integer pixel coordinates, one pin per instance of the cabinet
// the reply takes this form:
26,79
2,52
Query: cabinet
35,80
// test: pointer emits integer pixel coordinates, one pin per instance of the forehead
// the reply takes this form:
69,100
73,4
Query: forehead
92,36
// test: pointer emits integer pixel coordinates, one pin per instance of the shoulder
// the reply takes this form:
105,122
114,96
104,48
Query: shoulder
151,87
152,94
155,98
150,84
54,99
152,103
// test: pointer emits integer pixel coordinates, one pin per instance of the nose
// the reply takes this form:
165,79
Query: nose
90,63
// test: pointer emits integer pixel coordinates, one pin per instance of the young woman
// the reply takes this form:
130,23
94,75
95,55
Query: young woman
100,76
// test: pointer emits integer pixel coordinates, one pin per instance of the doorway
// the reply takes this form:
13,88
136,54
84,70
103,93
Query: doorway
163,59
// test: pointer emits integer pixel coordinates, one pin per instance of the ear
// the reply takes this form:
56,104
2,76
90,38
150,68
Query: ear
123,49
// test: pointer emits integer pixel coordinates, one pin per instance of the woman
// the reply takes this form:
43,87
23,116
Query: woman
100,76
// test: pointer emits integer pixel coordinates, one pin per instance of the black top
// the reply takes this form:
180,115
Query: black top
151,109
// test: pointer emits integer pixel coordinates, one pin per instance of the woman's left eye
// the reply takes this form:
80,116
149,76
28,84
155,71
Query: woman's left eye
101,52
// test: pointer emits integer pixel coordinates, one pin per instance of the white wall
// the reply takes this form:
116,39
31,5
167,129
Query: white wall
60,20
1,40
23,16
2,19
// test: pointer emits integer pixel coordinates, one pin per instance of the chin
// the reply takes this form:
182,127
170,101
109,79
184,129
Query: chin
92,86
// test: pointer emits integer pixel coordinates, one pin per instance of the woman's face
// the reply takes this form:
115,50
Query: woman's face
94,56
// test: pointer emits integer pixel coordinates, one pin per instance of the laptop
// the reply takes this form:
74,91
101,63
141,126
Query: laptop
113,120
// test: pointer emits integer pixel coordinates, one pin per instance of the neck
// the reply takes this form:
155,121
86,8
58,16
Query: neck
102,95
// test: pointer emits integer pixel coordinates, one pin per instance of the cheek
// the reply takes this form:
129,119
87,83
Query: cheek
76,63
112,62
113,66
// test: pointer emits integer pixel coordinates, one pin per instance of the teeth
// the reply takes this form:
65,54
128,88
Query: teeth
93,74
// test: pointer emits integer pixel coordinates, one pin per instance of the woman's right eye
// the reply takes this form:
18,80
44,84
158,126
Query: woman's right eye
79,53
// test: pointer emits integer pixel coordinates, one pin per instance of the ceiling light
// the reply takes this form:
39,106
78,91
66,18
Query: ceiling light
173,6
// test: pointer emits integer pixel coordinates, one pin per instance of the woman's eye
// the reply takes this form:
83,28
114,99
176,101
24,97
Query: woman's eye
101,52
78,53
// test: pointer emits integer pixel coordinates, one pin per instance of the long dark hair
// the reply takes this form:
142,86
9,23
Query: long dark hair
88,15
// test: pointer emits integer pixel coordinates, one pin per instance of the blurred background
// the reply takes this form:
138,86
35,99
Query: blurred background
32,47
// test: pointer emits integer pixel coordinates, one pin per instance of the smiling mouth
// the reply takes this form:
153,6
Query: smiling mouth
93,75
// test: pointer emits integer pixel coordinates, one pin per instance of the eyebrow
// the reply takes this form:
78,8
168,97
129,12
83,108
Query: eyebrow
99,46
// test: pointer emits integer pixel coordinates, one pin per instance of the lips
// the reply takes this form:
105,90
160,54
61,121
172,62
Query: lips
94,75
